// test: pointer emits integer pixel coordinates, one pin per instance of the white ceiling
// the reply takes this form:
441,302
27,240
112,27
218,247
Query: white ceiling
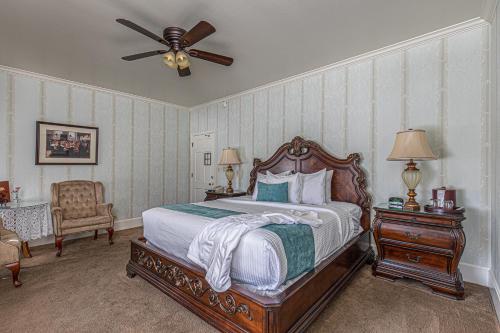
269,40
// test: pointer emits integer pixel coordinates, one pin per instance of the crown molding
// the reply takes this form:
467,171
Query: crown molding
44,77
403,45
489,10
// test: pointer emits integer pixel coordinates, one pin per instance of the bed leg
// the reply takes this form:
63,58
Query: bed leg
130,274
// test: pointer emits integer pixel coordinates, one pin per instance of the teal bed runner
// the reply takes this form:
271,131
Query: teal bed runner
214,213
297,239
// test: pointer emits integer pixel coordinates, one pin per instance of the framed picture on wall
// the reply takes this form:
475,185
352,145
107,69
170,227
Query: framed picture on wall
66,144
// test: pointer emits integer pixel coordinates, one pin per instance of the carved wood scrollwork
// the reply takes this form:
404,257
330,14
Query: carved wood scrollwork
176,276
299,146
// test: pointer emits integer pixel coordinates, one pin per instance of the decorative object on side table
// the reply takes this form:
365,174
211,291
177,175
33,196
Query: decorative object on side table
29,220
213,195
4,192
411,145
15,194
229,157
420,245
396,203
444,201
66,144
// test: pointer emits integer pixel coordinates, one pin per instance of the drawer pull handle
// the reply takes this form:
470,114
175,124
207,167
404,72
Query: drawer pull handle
412,236
415,259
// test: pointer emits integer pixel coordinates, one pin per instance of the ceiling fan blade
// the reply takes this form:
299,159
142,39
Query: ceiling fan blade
143,55
184,71
217,58
141,30
197,33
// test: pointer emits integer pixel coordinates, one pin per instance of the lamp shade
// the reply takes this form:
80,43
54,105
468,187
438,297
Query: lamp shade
411,145
229,156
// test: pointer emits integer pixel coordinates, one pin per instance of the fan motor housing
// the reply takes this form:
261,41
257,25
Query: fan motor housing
173,35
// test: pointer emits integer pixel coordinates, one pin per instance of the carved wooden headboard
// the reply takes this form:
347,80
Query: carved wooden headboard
299,155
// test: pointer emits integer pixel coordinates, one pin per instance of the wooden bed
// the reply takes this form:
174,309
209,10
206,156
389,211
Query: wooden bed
238,309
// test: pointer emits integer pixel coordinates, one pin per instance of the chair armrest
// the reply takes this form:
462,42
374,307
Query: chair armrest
104,209
57,219
9,253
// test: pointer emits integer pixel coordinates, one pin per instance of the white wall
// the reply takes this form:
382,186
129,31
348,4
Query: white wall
143,143
438,83
495,103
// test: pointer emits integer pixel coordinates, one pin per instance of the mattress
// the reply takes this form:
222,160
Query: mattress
259,260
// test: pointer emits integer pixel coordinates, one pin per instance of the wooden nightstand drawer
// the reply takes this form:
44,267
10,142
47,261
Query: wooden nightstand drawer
411,233
416,259
425,220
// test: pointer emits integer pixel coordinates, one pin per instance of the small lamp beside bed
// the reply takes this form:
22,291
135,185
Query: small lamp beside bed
411,145
229,157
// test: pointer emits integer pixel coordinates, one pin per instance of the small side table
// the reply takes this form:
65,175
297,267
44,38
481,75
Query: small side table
29,219
422,246
210,195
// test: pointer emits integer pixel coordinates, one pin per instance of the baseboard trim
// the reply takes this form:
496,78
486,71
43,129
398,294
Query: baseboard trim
495,293
475,274
119,225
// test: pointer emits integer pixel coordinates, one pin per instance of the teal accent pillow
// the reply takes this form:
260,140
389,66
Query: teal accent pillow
272,192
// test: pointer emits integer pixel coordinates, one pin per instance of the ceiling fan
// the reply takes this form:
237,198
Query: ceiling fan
177,40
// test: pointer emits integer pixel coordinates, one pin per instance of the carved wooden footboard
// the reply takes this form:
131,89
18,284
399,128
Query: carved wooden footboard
239,310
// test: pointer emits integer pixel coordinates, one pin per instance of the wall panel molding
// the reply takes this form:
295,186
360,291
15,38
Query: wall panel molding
359,104
41,97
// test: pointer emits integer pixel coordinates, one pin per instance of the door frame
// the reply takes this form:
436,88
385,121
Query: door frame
191,159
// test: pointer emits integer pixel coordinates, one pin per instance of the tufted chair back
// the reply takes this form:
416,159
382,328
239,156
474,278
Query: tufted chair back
77,198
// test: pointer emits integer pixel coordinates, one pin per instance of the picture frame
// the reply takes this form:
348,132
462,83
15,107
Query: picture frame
64,144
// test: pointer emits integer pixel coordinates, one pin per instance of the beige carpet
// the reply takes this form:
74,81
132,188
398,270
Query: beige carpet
86,290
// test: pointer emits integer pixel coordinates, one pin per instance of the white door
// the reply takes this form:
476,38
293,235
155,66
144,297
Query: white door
203,165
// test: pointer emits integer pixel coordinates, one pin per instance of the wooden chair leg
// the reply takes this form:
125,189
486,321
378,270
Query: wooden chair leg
110,235
15,268
95,234
59,241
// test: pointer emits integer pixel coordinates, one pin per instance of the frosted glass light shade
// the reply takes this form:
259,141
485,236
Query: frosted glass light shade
229,156
182,59
411,145
169,59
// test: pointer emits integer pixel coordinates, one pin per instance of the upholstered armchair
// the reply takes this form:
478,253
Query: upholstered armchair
10,252
78,206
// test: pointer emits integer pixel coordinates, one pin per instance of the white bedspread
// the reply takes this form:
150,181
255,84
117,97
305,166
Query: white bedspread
213,247
259,259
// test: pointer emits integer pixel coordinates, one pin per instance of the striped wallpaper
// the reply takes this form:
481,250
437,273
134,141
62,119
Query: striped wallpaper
143,144
439,84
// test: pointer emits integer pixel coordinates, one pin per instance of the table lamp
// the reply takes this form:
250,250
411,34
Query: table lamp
411,145
229,157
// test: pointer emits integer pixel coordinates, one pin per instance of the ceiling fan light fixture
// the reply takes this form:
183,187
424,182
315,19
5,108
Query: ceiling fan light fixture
169,59
182,59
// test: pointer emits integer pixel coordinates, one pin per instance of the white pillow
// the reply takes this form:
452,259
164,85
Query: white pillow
313,187
328,186
294,185
260,178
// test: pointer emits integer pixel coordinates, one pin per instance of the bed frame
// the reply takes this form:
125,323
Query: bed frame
238,309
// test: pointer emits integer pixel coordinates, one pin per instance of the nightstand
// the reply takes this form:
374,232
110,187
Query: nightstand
422,246
221,195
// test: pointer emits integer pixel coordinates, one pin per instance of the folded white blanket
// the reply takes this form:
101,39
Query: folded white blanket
213,247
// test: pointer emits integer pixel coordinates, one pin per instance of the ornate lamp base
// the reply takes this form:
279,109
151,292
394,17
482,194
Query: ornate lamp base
411,177
229,176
